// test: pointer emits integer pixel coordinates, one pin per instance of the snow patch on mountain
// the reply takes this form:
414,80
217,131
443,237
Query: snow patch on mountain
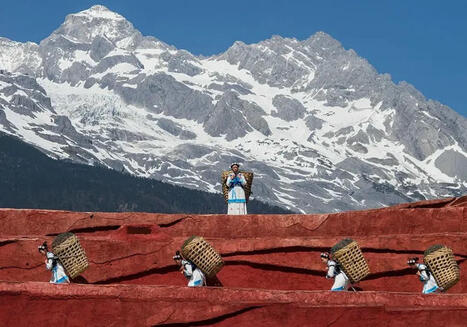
321,129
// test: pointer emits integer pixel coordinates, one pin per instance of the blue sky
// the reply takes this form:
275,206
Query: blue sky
421,42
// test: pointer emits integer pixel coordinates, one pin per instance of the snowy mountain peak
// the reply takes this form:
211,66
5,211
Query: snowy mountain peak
98,21
99,11
324,38
17,56
319,126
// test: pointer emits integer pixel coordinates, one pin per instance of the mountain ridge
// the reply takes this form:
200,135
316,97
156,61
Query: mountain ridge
33,180
322,130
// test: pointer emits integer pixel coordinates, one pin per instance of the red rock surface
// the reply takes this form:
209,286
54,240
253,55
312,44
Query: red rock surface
137,305
267,257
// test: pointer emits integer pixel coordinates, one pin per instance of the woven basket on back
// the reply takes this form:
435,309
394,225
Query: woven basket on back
443,265
247,188
72,256
203,255
348,255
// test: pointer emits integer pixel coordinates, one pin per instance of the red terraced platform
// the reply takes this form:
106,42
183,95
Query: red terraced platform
148,305
273,275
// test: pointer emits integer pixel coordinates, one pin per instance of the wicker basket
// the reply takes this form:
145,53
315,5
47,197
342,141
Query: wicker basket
72,256
444,267
203,255
351,259
247,188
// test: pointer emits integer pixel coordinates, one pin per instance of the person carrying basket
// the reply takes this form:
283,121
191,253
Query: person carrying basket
425,276
195,276
53,263
341,281
236,199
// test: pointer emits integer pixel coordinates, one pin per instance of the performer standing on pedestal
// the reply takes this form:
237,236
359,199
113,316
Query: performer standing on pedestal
236,200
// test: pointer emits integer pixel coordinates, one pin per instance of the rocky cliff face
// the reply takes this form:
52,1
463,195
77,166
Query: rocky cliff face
272,274
320,127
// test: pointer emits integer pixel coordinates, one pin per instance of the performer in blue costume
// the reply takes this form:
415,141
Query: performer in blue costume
236,200
195,276
341,281
425,275
53,263
58,272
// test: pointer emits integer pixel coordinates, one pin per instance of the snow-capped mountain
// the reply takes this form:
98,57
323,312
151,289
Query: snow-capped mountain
321,129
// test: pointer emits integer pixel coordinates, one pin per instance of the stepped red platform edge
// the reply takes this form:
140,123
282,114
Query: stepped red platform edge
272,277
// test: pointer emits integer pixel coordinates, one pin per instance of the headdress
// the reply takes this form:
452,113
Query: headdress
325,255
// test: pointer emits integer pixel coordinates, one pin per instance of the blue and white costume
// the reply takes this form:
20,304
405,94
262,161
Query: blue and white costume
236,200
58,272
194,275
341,281
427,278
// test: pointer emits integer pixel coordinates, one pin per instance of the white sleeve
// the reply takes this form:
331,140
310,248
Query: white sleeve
331,269
424,276
242,179
188,270
228,181
423,273
50,259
